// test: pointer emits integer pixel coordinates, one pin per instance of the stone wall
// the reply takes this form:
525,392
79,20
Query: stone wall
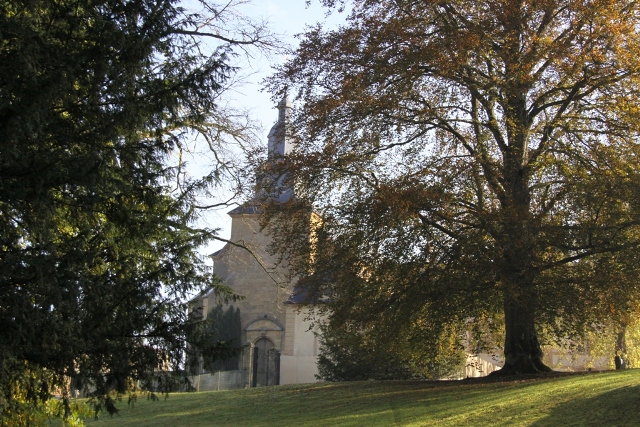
252,274
223,380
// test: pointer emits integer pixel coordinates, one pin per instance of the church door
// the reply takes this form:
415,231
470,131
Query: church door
265,363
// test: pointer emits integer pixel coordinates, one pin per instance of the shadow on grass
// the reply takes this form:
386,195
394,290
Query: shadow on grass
618,408
578,400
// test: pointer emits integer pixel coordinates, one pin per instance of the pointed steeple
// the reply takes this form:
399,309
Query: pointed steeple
279,144
269,184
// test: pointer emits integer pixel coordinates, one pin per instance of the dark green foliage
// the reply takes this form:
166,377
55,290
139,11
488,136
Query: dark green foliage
356,350
105,403
97,244
349,358
217,343
224,326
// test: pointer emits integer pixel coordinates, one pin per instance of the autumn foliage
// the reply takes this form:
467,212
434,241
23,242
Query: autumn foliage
469,159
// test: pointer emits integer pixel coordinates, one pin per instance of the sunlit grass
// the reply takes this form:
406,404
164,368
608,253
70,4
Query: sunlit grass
597,399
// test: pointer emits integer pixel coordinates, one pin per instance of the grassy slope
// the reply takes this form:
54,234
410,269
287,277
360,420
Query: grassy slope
598,399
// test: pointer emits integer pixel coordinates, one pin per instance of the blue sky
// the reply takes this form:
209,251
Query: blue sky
286,18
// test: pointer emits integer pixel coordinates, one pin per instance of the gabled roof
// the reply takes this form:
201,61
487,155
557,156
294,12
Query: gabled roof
297,297
246,208
219,251
302,295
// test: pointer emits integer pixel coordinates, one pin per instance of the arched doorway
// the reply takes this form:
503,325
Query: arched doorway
266,364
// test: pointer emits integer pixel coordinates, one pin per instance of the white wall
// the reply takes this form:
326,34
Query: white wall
298,364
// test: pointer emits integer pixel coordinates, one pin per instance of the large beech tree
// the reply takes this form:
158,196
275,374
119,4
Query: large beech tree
466,157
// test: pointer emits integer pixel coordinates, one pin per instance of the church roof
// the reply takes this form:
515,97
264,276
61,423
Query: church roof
218,252
297,297
302,295
246,208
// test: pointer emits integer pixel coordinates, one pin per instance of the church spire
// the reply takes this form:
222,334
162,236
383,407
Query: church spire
279,144
284,109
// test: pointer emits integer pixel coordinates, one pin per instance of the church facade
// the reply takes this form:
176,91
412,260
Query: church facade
280,345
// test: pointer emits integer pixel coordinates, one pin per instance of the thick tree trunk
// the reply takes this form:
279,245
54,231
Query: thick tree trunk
522,351
517,242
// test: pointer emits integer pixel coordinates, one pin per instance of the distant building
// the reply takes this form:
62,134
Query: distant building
280,347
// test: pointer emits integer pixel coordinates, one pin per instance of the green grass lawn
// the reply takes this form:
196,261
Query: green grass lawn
595,399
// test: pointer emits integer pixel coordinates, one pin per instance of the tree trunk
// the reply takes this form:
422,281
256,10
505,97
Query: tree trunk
621,342
620,358
522,351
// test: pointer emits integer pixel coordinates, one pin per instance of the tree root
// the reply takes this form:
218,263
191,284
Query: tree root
522,366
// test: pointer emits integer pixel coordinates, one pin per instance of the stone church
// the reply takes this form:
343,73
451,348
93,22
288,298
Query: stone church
280,347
